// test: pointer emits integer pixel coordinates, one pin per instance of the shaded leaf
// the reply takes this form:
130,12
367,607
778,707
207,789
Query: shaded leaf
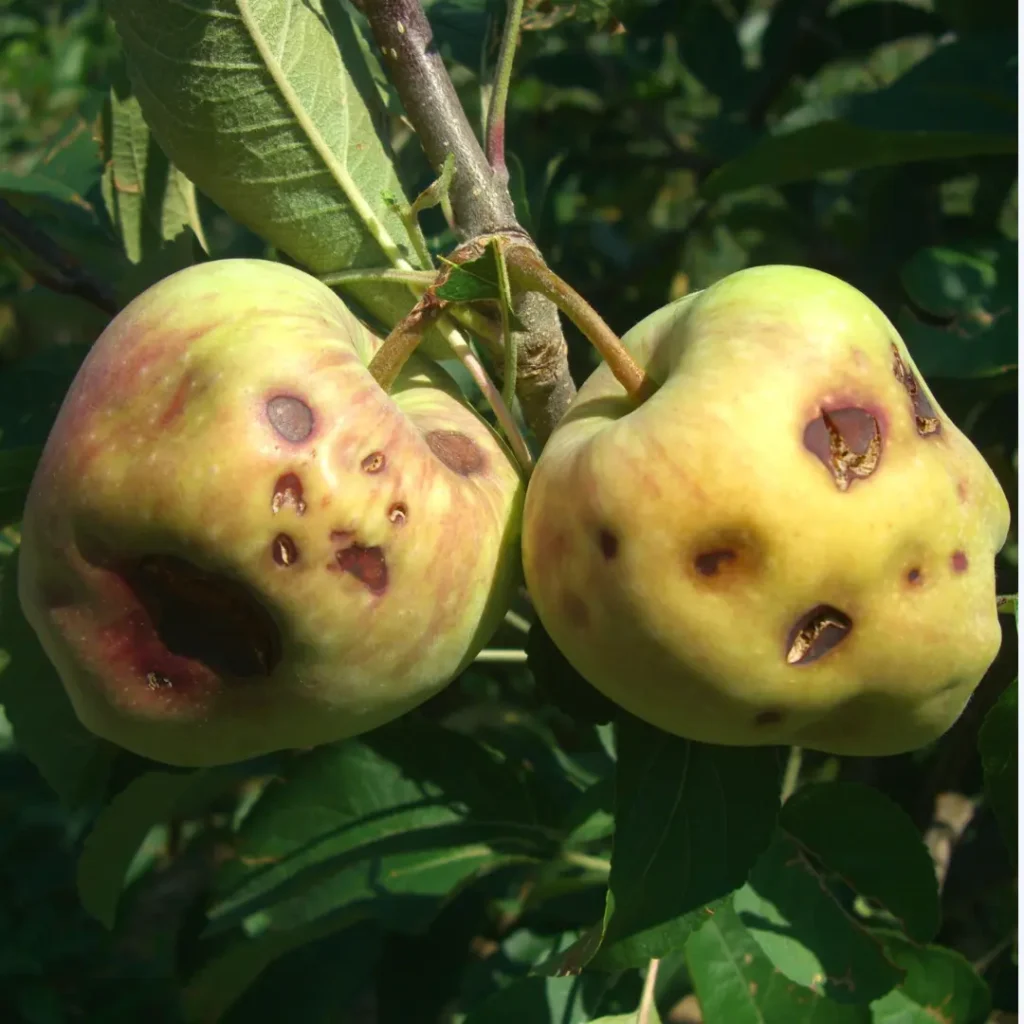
805,931
17,466
110,847
958,102
397,818
691,820
997,743
963,319
736,983
940,987
844,825
73,761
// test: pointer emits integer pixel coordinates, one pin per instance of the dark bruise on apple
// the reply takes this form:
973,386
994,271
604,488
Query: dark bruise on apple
256,548
810,541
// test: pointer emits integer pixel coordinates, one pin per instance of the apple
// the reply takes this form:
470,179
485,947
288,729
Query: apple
789,542
236,542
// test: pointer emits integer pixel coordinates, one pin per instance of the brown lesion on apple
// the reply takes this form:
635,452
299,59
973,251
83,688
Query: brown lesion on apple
398,513
926,420
608,542
959,561
914,576
176,406
194,616
374,462
288,492
816,633
366,564
770,716
725,554
459,452
291,418
284,550
848,443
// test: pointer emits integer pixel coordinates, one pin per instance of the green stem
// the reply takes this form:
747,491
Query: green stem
646,1011
532,274
412,277
399,345
598,865
494,135
509,343
792,774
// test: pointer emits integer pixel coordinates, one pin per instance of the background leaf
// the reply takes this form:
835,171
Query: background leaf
997,742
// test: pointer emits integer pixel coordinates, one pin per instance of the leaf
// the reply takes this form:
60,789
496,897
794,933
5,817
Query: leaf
737,984
270,108
958,102
314,982
17,466
146,801
963,318
997,743
691,820
844,825
221,981
940,987
395,819
74,762
806,933
149,201
537,1000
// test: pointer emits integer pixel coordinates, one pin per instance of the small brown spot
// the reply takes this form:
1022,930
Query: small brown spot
288,491
608,543
374,462
925,418
815,634
961,490
284,550
708,563
157,681
769,717
366,564
575,610
398,513
959,561
461,454
290,417
914,575
848,442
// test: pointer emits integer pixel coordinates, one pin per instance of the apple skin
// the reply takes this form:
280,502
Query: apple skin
713,565
236,542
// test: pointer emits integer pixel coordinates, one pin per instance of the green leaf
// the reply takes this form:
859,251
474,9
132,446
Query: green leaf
691,820
395,819
970,298
74,762
844,825
940,986
31,392
737,984
960,101
271,110
537,1000
149,201
115,838
806,933
997,743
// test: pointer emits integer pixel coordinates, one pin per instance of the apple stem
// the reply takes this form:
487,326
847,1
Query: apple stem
399,345
530,273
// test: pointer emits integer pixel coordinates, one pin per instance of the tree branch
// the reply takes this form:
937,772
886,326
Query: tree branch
480,197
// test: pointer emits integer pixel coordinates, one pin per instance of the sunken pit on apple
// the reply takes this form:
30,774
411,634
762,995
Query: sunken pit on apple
789,542
236,542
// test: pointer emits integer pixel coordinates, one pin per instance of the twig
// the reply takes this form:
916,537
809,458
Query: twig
528,270
500,656
59,270
647,997
495,131
480,197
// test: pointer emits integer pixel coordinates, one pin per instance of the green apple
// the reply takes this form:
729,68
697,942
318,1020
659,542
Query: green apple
789,542
236,542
